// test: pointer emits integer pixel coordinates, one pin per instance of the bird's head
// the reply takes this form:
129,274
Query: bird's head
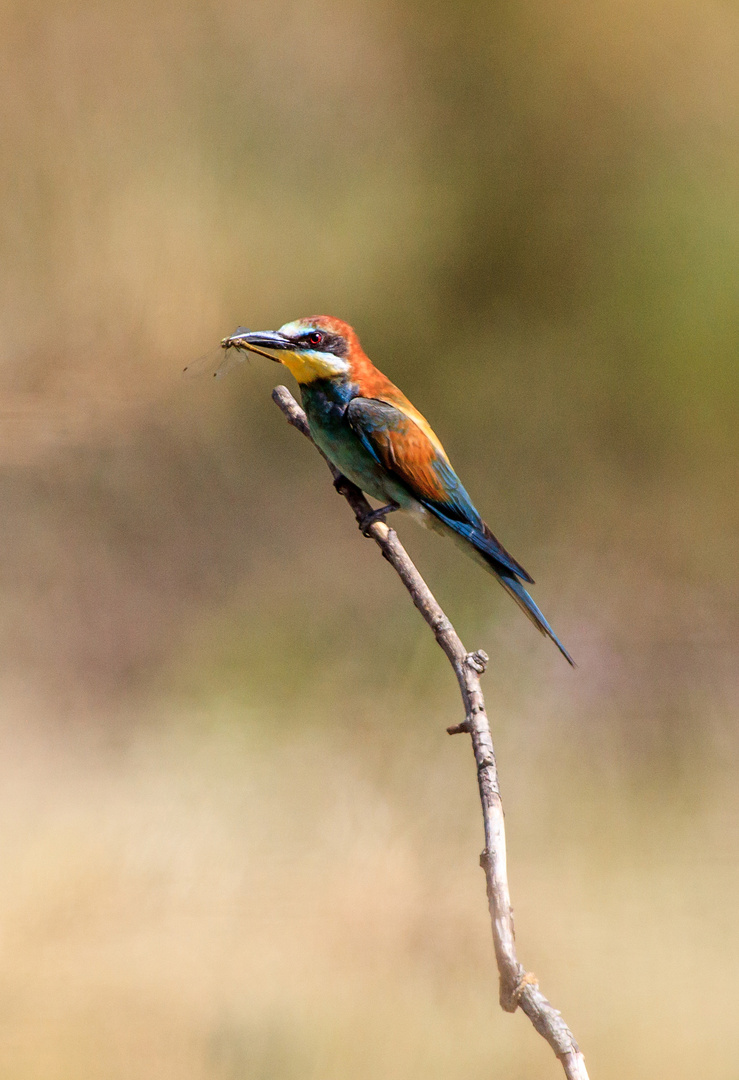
318,347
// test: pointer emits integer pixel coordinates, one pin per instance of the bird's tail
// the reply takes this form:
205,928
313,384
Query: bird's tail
515,589
478,541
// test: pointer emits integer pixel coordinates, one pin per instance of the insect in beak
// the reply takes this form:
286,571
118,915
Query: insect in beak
257,342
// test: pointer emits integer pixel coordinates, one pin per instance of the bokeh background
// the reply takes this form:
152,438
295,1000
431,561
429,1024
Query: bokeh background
236,841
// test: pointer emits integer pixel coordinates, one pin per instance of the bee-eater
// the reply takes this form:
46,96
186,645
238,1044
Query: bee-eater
376,438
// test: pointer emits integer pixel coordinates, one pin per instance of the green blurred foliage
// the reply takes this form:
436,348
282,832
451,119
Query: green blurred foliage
529,213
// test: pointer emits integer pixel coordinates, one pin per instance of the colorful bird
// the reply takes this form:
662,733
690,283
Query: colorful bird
375,437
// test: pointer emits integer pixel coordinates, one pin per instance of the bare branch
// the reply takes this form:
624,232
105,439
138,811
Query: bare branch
517,986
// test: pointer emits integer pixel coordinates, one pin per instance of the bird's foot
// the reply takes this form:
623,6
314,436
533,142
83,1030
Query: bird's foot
376,515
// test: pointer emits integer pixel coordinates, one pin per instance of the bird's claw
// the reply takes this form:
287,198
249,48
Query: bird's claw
374,516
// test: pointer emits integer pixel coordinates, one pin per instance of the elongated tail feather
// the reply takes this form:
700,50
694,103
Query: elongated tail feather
475,544
529,608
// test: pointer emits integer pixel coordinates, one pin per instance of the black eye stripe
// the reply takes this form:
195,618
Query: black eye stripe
313,337
328,342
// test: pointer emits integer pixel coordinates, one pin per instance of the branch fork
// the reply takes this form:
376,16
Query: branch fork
518,988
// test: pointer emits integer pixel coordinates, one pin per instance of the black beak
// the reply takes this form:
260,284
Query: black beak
257,340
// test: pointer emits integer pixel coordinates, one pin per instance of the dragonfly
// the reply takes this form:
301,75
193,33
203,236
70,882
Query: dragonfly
224,358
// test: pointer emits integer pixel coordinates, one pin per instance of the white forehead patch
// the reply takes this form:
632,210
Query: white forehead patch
292,329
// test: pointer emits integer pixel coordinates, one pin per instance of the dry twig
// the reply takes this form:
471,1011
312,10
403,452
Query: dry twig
517,987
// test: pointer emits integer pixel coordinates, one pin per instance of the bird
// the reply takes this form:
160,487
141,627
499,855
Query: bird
373,435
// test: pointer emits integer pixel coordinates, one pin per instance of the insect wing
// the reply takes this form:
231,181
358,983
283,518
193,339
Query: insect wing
215,363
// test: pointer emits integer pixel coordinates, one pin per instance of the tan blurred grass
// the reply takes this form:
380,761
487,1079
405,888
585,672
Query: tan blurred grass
204,899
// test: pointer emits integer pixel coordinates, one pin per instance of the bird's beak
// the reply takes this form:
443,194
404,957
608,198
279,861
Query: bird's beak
258,340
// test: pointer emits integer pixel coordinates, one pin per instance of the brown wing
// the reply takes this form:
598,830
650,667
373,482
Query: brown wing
398,444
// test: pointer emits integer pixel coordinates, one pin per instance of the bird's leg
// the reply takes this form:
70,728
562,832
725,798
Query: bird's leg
376,515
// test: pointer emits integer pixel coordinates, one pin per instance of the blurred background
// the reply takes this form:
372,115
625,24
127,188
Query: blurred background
236,840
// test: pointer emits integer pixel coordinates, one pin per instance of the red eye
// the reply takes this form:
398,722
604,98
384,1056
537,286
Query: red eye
315,337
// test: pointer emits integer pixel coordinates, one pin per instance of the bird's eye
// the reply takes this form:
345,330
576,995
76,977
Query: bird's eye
315,337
